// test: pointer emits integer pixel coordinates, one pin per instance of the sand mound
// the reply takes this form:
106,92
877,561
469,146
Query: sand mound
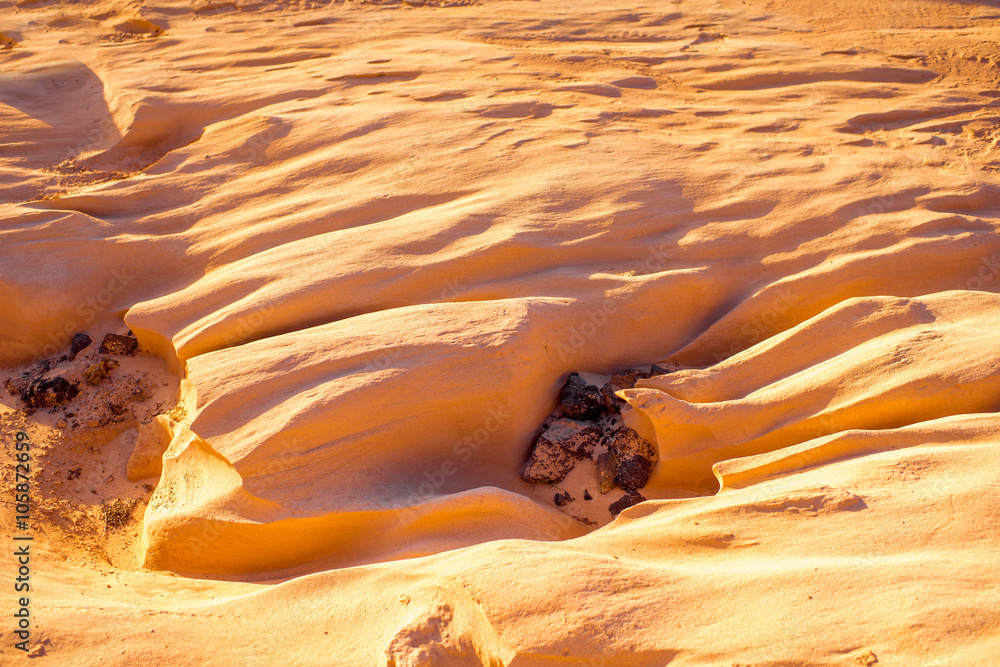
362,245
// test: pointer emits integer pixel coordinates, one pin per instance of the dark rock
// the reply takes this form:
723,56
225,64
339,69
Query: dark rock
581,400
81,342
611,402
626,501
586,495
633,473
576,437
548,465
606,467
115,344
655,370
636,457
562,499
626,379
48,392
628,443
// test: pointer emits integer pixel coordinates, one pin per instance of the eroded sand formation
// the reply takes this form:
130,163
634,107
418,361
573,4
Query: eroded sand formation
361,247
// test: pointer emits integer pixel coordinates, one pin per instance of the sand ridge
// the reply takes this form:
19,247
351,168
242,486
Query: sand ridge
368,241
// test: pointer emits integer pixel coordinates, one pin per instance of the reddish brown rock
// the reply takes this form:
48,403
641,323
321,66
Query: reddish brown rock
581,400
636,457
626,501
548,465
628,443
626,379
558,449
576,437
115,344
81,342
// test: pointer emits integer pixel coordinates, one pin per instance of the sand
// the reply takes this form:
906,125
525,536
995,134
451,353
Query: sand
361,246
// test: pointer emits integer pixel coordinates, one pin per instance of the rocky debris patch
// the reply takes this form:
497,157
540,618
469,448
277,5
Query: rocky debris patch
54,383
84,451
117,512
49,392
584,444
18,384
99,370
117,344
628,500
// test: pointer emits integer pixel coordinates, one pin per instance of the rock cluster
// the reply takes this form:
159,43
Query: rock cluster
49,392
582,430
38,390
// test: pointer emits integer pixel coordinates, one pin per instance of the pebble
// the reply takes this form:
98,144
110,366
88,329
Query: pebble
606,466
626,501
81,342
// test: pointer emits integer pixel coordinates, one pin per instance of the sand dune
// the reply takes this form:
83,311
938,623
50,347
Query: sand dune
361,246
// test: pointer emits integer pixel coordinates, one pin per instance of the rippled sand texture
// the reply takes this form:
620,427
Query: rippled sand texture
372,239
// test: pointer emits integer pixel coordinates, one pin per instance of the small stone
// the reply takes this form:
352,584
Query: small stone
93,423
586,495
636,457
628,443
606,467
611,402
581,400
81,342
576,437
45,393
99,370
633,473
548,465
62,423
562,499
626,379
626,501
74,473
115,344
